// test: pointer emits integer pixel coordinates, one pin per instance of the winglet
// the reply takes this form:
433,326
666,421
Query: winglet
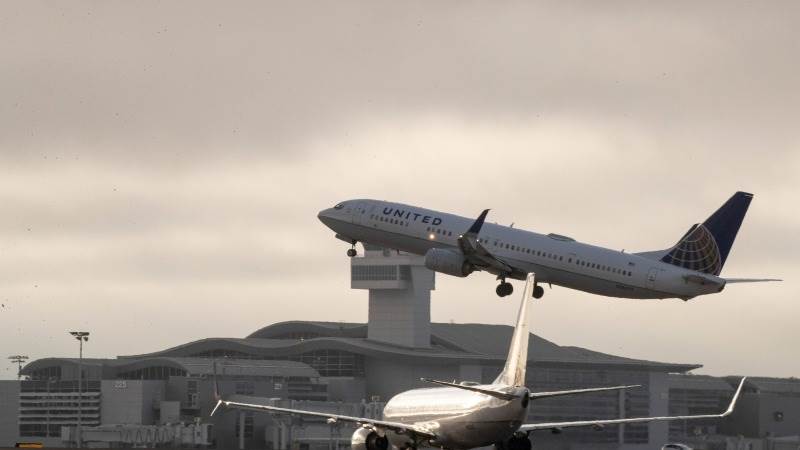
216,407
476,226
734,399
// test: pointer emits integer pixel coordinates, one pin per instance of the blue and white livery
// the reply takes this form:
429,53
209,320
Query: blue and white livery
458,246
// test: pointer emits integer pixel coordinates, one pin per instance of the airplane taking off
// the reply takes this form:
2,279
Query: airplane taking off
458,246
462,415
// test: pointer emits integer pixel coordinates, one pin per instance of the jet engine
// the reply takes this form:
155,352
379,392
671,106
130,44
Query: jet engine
366,438
448,261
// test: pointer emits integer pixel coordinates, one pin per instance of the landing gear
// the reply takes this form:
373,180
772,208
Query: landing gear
519,441
504,288
351,252
538,291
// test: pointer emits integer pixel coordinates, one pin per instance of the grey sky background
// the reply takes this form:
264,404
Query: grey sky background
162,164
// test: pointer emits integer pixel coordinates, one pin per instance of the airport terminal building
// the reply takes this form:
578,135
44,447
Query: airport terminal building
164,398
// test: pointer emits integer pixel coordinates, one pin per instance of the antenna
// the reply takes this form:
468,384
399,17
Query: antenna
19,360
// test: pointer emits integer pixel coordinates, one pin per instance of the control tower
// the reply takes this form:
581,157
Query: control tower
400,288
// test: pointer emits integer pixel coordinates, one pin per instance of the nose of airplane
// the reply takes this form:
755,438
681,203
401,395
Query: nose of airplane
326,217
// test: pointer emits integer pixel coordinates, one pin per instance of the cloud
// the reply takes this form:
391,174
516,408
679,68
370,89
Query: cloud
180,83
163,164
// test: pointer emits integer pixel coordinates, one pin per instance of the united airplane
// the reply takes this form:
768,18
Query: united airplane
463,415
458,246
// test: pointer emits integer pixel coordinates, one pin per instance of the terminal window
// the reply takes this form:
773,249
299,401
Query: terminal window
374,273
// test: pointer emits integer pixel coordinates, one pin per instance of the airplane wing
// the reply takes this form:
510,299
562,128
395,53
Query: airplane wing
479,255
255,404
538,395
557,426
750,280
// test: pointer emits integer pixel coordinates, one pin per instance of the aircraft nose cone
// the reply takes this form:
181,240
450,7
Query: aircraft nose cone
325,217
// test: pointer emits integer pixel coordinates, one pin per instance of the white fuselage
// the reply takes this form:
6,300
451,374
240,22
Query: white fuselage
462,419
555,259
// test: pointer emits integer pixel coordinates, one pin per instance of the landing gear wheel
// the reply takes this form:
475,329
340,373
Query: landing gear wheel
538,291
351,252
504,289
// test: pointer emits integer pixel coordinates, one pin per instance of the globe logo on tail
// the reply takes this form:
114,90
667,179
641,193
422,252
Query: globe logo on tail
697,250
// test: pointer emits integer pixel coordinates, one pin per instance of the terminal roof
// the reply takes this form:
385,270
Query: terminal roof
450,343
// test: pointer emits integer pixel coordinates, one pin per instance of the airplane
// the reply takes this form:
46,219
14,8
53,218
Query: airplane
462,415
458,246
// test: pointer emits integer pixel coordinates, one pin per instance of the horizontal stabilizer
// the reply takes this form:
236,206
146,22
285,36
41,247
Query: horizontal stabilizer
538,395
490,392
750,280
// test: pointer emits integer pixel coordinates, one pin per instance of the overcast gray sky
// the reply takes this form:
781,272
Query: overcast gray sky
162,163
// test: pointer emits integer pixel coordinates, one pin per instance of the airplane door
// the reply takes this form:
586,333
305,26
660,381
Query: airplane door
359,210
651,278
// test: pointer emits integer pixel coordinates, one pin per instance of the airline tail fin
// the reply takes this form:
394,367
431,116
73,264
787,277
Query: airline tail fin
706,246
513,373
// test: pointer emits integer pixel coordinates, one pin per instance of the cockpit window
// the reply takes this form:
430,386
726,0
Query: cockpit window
339,206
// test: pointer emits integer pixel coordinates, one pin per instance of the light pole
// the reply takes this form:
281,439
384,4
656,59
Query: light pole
19,360
81,336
